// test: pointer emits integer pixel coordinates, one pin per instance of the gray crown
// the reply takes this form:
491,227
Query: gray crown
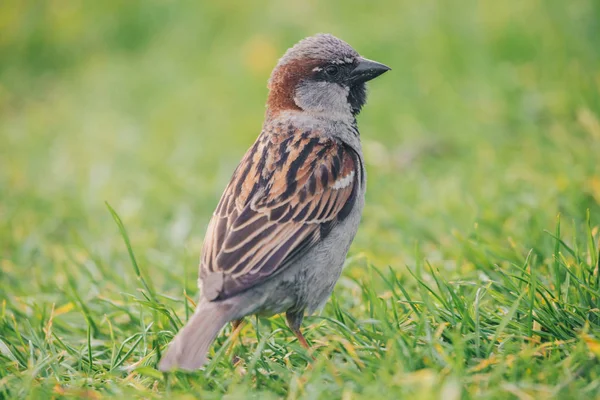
322,46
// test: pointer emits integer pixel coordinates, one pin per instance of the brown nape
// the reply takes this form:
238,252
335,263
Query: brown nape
283,82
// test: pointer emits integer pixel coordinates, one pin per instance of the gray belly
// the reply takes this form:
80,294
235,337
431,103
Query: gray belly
321,269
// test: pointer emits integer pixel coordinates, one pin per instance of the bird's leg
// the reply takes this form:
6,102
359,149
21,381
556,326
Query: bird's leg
294,321
302,339
236,325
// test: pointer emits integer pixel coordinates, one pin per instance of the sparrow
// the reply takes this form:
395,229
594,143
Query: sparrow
279,236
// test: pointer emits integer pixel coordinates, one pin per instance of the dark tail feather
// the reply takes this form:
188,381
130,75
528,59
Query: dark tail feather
188,349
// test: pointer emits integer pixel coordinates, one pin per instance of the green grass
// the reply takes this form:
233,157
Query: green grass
475,273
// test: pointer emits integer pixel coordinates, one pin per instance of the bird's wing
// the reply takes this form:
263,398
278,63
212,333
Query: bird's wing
287,193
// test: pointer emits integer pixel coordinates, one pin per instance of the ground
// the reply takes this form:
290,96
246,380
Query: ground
475,270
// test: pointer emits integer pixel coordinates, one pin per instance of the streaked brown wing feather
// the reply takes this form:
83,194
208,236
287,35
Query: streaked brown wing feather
289,190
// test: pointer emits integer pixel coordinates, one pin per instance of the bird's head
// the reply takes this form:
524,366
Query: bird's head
321,74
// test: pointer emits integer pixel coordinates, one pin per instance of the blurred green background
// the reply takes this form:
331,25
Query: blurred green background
485,130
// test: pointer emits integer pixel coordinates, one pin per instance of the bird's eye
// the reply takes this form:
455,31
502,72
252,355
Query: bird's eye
332,70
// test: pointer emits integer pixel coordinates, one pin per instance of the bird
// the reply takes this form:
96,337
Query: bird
279,236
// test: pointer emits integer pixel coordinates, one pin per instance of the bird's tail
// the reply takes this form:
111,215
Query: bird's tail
189,347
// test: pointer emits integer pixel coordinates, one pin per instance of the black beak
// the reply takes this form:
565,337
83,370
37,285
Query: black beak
367,70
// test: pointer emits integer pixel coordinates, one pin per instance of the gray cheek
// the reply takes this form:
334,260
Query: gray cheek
322,97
